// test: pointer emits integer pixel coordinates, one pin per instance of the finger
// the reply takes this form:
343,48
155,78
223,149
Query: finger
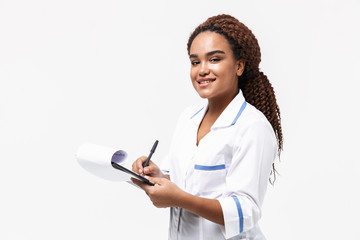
134,166
141,163
149,170
138,165
155,180
141,184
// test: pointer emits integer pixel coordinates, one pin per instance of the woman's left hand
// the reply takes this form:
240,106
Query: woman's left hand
164,194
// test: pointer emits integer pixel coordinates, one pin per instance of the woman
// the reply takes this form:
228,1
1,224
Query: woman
222,155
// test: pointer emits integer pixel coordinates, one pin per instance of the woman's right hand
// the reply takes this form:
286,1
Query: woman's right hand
151,170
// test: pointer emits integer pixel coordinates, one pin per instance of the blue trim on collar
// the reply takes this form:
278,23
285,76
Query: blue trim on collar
239,113
240,213
196,113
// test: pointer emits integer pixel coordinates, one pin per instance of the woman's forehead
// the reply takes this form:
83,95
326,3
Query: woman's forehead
207,41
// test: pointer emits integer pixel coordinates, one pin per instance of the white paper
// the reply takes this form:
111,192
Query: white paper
97,159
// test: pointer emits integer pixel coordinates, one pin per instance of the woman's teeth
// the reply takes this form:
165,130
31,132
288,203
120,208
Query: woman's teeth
207,81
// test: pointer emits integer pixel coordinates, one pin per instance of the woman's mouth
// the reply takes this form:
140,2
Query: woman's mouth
205,81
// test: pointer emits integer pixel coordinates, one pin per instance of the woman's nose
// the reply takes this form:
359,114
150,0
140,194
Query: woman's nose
204,70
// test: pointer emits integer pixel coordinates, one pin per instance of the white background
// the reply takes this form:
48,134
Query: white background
117,74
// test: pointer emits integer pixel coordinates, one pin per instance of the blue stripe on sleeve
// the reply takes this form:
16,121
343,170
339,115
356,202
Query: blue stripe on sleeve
209,168
241,219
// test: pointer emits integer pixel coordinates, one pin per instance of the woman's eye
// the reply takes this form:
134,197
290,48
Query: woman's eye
214,59
195,63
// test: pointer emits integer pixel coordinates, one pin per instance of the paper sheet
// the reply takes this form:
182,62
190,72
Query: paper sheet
97,159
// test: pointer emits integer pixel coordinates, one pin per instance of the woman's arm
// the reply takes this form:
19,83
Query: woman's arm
204,207
167,194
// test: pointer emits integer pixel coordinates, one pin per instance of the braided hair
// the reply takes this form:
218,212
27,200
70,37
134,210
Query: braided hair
254,84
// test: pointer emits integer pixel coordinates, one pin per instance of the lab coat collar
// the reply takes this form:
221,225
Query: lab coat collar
228,117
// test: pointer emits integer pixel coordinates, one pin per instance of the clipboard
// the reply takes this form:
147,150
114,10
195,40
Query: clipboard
133,174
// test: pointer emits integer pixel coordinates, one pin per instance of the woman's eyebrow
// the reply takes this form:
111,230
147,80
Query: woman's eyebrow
208,54
193,56
214,52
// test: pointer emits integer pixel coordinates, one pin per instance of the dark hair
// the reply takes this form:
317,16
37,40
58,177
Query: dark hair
254,84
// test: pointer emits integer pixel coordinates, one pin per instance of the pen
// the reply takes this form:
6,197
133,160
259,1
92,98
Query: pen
151,153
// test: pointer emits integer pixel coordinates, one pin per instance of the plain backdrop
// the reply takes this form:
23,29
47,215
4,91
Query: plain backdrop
116,73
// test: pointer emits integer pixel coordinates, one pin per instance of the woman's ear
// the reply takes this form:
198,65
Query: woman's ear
240,68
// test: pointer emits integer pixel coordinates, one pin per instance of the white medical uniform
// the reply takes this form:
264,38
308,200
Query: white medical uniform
232,164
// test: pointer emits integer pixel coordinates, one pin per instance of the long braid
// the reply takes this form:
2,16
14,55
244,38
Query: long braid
259,92
254,84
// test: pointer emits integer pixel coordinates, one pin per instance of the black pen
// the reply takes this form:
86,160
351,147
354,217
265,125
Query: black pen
151,153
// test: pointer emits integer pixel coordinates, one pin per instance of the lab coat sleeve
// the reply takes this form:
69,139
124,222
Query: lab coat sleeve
247,178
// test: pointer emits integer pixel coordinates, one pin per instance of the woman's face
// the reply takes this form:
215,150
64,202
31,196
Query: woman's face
214,70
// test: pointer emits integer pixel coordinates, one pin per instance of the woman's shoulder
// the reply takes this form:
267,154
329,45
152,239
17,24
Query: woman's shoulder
252,117
253,114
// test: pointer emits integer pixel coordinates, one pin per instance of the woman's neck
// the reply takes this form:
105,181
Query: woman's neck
217,106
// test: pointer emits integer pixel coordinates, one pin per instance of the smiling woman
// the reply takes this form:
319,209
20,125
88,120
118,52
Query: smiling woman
214,75
217,170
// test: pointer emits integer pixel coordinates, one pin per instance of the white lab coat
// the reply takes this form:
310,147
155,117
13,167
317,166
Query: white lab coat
232,163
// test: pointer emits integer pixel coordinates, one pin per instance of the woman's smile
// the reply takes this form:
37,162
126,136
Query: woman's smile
204,82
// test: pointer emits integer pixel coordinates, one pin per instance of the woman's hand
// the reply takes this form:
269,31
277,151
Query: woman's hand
164,193
151,170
